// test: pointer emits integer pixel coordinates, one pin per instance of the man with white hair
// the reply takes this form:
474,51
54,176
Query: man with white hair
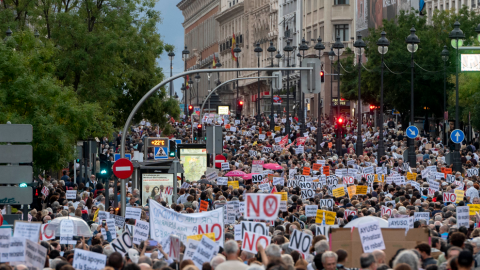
218,259
329,260
471,192
231,253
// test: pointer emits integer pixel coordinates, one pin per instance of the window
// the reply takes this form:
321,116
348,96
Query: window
473,3
341,30
341,2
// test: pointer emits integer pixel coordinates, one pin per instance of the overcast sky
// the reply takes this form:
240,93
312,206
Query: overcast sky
171,31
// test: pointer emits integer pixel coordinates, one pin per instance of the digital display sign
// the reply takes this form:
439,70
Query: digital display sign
152,142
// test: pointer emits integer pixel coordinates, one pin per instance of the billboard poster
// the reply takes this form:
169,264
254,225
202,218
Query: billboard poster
194,161
151,186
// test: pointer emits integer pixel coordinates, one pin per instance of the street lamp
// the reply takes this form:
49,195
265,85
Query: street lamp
382,44
288,49
279,58
183,88
331,56
339,46
303,47
360,45
190,83
185,54
445,55
171,55
197,80
271,49
236,53
412,46
457,37
258,52
209,74
218,65
319,47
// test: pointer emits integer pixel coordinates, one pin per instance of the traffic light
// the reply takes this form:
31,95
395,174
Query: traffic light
23,185
172,148
103,168
190,110
340,121
239,109
199,130
322,76
372,108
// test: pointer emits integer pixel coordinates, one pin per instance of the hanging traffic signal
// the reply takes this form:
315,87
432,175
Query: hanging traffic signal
190,110
172,148
322,76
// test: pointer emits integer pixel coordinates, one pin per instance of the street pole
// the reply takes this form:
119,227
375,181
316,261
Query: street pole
319,47
302,47
338,145
258,52
171,55
445,55
331,56
271,49
359,44
412,46
288,49
382,44
185,54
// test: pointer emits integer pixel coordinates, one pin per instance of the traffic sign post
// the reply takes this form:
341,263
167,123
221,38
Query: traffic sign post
457,136
412,132
175,168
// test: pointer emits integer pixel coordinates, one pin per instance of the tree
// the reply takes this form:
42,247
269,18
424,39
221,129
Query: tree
428,69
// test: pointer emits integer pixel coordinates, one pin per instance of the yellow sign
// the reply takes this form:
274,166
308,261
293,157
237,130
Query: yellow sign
460,194
473,208
329,217
234,184
198,237
351,191
338,192
277,128
223,110
379,181
284,196
411,176
362,190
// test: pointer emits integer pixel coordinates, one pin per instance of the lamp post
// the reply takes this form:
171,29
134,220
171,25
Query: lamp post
445,55
457,37
298,106
237,52
319,47
197,80
382,44
303,47
190,82
185,97
360,45
288,49
171,55
412,46
258,52
218,65
339,46
271,49
279,58
209,74
331,56
185,54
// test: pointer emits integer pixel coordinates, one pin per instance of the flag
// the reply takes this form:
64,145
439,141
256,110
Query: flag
233,47
214,64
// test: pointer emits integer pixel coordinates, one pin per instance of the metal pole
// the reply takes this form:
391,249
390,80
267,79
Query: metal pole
319,117
272,117
236,103
115,191
198,103
381,149
258,91
457,163
359,144
171,74
445,140
185,97
287,128
339,136
331,92
411,148
175,164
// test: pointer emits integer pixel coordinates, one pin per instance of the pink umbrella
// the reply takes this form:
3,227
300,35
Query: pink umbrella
248,176
272,166
235,174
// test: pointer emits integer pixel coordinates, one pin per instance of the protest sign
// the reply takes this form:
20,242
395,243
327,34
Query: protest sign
421,215
251,240
352,190
123,243
234,184
329,217
16,251
141,231
5,234
71,194
206,249
174,250
134,213
473,208
87,260
306,171
165,221
103,215
190,249
386,211
338,192
361,190
212,176
398,223
222,181
257,166
35,255
278,181
348,180
462,216
28,230
198,237
326,203
311,210
449,197
261,206
300,241
67,231
371,236
203,206
257,178
225,166
119,221
350,213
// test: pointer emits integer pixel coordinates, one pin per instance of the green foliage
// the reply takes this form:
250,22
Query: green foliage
92,63
428,80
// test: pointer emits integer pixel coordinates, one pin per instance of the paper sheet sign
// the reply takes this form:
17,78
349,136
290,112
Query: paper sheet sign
371,236
329,217
203,206
251,240
338,192
262,206
234,184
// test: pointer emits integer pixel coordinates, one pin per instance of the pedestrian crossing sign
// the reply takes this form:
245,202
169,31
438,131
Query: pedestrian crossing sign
161,152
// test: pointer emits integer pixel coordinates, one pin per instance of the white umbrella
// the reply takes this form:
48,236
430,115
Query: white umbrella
81,227
354,223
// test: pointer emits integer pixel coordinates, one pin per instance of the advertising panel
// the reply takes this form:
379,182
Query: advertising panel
194,163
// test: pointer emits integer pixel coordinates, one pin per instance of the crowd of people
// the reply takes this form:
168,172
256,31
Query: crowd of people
248,140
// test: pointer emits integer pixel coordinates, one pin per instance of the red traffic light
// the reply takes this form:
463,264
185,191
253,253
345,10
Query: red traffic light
190,107
321,73
372,107
340,120
240,102
199,126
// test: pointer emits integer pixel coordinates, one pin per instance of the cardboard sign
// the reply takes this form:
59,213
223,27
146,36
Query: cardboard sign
329,203
317,167
134,213
361,190
311,210
234,184
251,240
329,217
460,195
300,241
141,231
206,249
352,190
338,192
87,260
306,171
28,230
371,236
262,206
473,208
326,170
203,206
449,197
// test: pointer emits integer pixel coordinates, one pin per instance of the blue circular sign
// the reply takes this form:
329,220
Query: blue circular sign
457,136
412,132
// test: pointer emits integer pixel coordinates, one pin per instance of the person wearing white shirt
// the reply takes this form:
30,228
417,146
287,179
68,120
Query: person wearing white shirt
471,191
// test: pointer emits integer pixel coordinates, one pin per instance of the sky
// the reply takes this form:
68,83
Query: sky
171,31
